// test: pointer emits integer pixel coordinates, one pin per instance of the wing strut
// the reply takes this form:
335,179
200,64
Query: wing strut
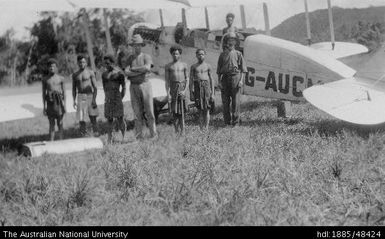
307,24
331,24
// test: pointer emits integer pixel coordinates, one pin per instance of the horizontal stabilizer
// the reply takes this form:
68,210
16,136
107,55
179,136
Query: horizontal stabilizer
341,49
355,100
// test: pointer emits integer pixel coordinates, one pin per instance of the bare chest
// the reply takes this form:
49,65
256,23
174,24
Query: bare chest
54,83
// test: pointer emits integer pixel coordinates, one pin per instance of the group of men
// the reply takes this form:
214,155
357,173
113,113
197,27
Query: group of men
231,70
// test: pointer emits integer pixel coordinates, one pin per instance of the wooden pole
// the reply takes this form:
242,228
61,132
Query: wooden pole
267,20
88,39
331,24
243,16
184,19
207,19
308,32
161,18
110,50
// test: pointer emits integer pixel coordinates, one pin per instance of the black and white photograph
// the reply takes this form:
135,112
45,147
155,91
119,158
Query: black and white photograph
248,113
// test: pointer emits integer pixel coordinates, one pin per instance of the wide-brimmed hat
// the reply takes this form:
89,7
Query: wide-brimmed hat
136,40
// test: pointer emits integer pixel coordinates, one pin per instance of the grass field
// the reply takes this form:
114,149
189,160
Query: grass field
307,170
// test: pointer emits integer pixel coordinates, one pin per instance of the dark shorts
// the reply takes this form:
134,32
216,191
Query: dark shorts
178,102
113,108
202,93
55,105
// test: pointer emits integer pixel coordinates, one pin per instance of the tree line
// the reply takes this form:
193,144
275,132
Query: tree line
61,37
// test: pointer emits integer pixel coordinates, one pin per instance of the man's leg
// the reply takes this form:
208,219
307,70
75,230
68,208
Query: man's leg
60,126
137,107
206,118
201,119
109,133
235,104
175,121
94,125
51,128
225,94
122,126
83,129
149,107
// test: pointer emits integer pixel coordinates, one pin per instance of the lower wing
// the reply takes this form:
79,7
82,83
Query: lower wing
30,105
355,100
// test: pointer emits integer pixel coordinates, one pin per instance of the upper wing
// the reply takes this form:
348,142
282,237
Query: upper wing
355,100
341,49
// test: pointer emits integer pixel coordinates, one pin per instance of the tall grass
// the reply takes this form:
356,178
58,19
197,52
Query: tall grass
306,170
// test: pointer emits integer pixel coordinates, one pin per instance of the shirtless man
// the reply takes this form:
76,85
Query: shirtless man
54,99
202,87
230,28
84,87
114,86
177,80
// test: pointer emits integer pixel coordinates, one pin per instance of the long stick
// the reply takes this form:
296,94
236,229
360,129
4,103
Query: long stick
307,23
108,35
267,20
161,18
89,42
207,19
243,16
331,24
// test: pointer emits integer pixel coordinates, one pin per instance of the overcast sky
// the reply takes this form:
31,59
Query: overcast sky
20,14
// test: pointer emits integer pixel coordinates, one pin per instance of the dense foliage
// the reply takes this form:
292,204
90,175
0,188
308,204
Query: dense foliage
364,26
62,37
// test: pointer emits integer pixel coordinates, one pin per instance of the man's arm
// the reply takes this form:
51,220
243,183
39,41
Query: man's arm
104,81
191,84
186,76
44,88
131,73
63,88
95,89
146,67
123,83
219,65
74,90
127,70
243,68
211,81
167,81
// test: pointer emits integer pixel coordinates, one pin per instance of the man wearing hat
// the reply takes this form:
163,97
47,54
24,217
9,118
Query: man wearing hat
231,70
137,69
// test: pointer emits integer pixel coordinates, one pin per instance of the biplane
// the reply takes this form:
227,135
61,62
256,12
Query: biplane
277,68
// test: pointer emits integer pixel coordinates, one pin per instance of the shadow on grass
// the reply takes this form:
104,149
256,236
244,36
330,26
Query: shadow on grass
332,128
271,121
192,115
15,144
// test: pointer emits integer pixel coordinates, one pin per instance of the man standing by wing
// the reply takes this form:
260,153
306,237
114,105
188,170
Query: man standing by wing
138,66
54,99
114,86
84,88
230,28
231,70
